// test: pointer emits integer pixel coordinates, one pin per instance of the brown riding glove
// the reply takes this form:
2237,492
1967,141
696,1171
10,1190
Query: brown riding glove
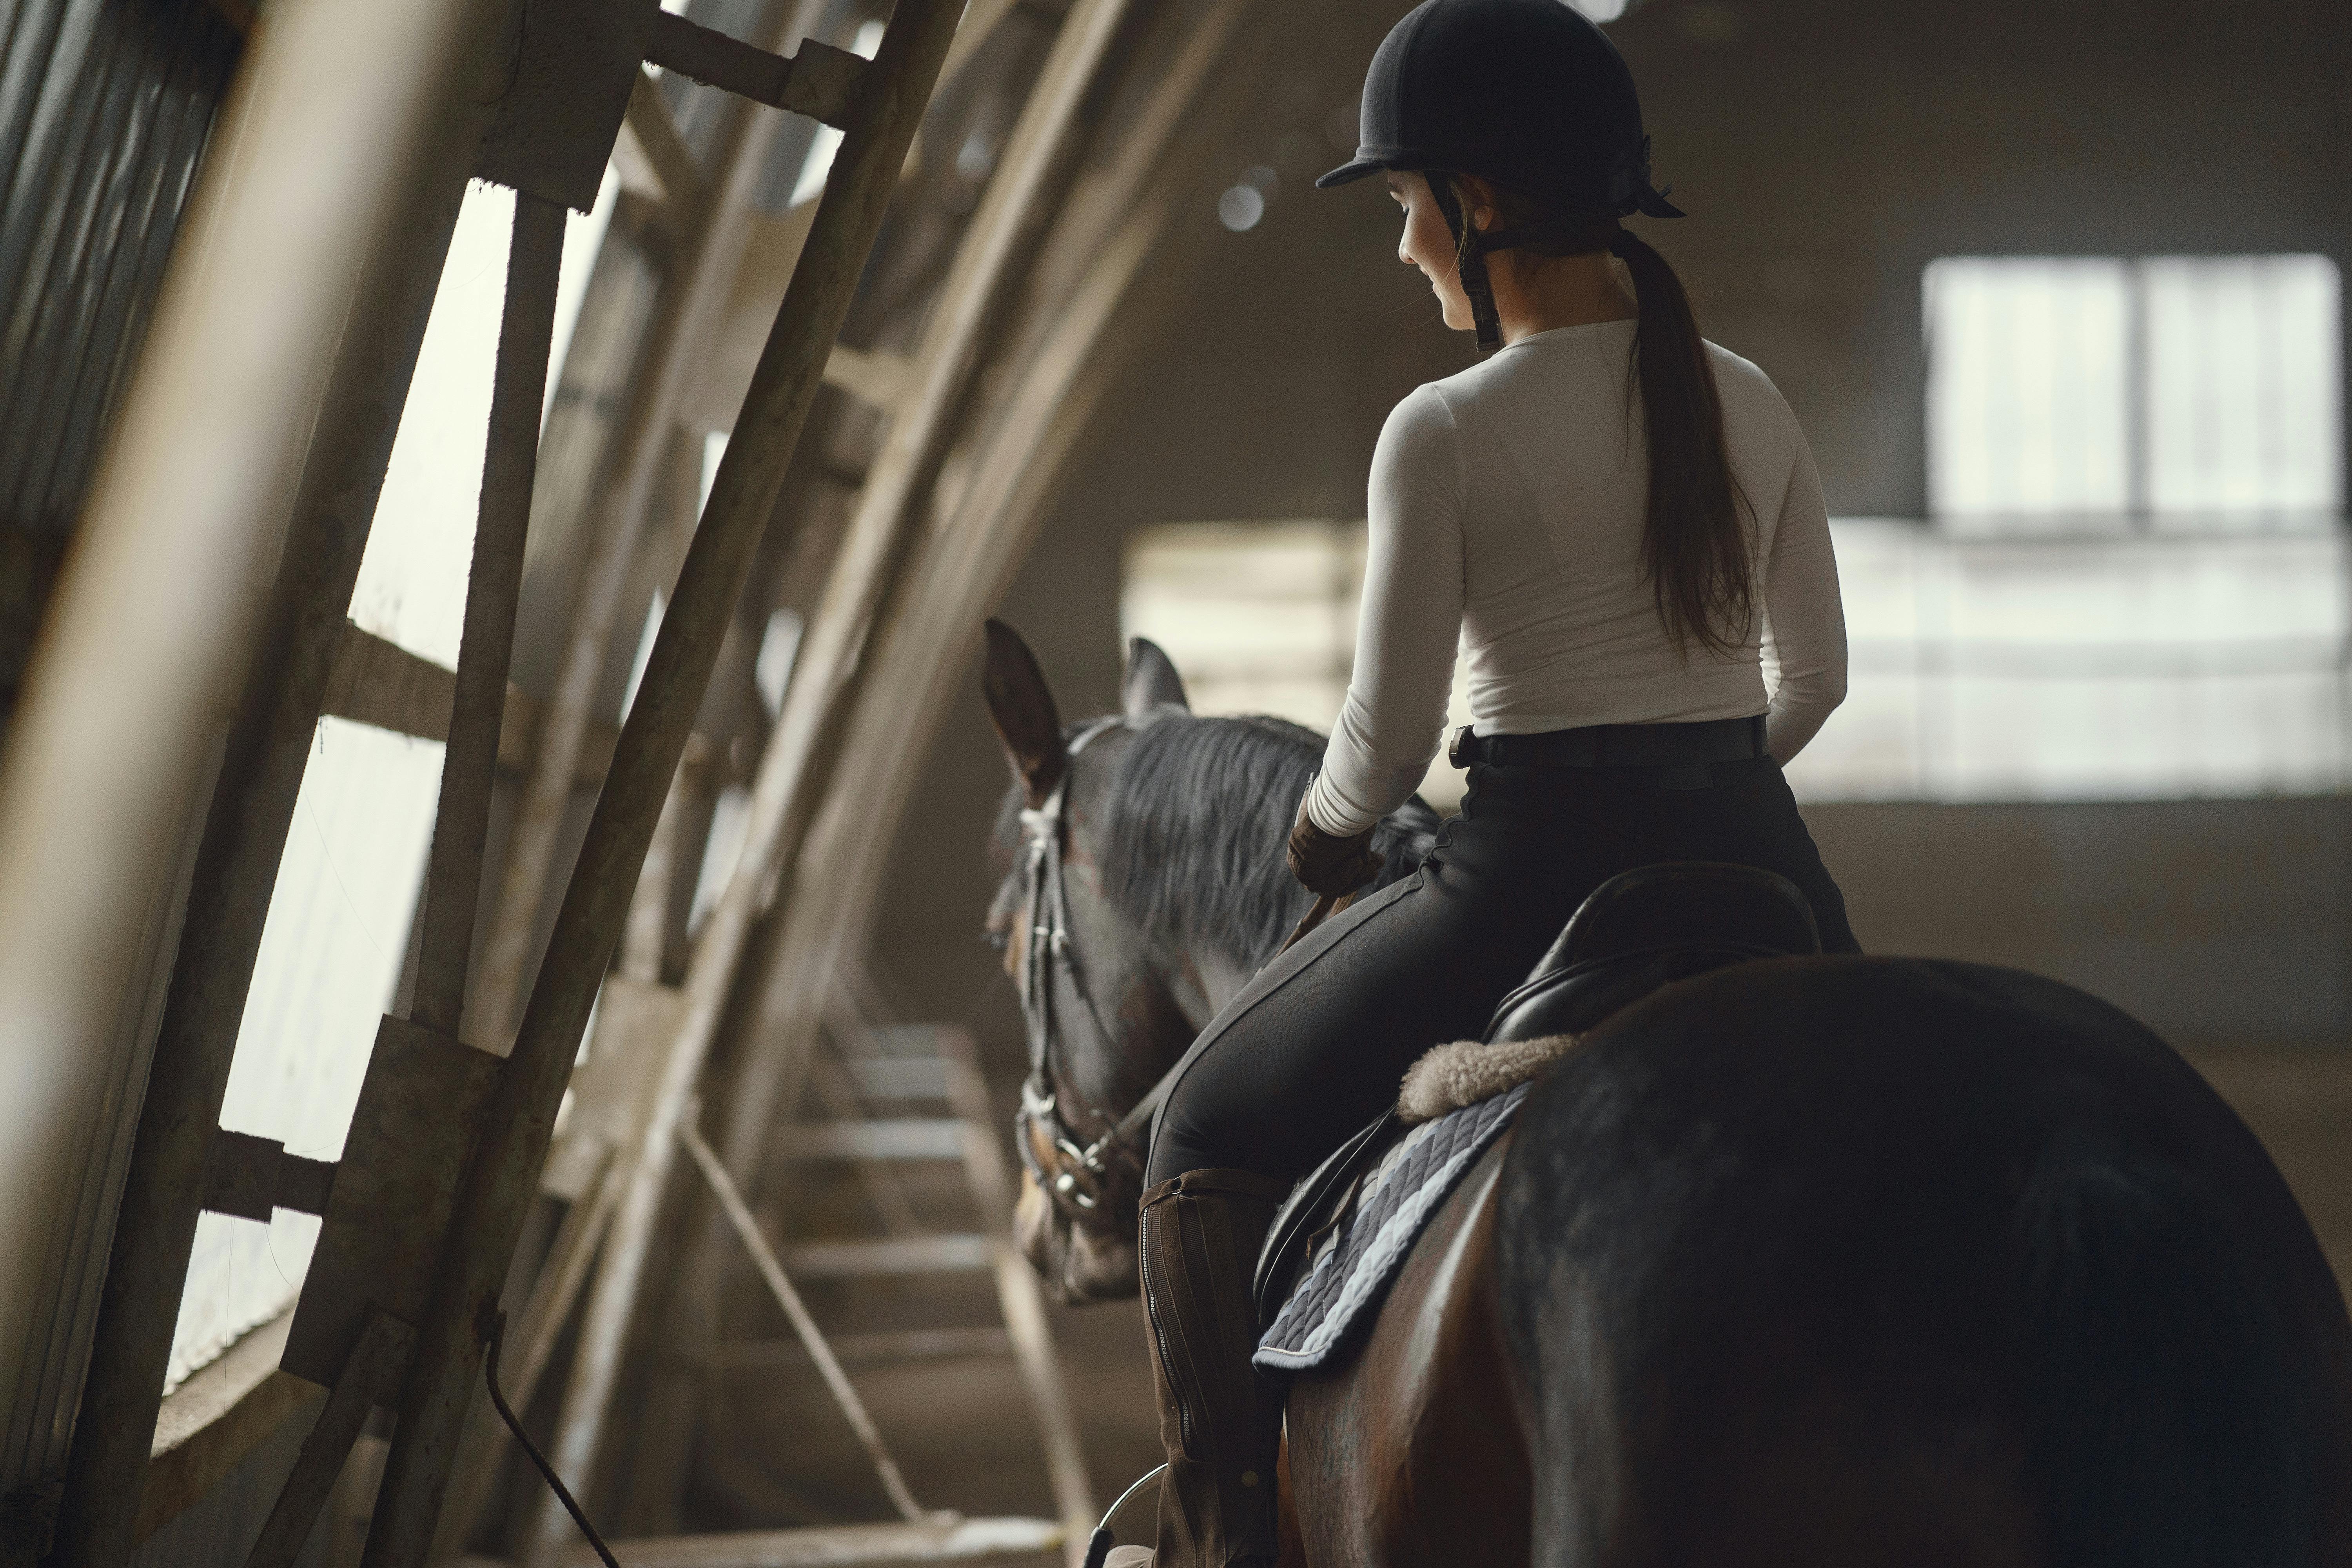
1326,863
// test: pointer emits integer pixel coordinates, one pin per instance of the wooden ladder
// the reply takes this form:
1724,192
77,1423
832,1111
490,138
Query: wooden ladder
927,1075
421,1216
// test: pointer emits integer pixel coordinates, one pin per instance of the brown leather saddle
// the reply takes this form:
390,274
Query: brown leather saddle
1638,932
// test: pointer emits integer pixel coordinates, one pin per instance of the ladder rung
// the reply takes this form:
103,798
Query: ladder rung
935,1138
909,1041
852,1350
903,1254
958,1540
818,82
900,1078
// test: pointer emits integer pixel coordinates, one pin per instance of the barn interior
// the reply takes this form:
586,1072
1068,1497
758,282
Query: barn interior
345,340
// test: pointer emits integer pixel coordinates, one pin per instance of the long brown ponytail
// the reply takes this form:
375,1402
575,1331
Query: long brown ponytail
1696,544
1697,533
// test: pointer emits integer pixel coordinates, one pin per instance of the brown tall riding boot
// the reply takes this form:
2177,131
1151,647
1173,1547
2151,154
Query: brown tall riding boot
1221,1421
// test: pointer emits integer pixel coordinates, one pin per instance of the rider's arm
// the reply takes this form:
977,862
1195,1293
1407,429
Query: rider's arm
1410,625
1805,621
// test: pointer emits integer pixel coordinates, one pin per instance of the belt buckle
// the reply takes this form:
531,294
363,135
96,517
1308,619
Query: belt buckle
1458,753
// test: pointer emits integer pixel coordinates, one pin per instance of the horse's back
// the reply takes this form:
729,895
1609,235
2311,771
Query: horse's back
1869,1260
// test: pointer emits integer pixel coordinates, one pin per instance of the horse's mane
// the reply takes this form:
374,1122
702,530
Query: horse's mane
1199,813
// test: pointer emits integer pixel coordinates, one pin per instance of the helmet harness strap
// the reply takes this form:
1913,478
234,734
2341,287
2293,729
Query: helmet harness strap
1470,246
1630,191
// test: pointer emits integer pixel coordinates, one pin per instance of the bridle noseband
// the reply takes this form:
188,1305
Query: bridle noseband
1079,1175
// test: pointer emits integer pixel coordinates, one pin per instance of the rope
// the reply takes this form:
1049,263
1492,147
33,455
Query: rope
496,1337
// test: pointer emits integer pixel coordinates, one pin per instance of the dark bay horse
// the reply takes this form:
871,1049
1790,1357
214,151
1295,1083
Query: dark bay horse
1808,1261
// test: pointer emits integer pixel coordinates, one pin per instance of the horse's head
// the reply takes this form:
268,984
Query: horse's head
1142,886
1104,1015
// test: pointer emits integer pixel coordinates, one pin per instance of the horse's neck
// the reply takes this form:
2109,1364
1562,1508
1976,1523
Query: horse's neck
1208,980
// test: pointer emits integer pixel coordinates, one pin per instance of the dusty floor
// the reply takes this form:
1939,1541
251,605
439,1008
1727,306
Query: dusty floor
776,1452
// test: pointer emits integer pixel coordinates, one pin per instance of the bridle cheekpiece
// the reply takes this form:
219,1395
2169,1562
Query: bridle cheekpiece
1075,1175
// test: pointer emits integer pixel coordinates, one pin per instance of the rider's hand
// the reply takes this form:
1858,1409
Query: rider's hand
1328,864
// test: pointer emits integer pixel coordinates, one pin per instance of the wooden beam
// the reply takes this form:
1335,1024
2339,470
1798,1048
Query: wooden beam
650,141
501,1178
880,378
685,323
371,329
979,22
854,1349
963,1540
939,1138
451,899
989,265
1078,281
780,1286
871,376
819,82
1019,1295
219,1414
369,1375
896,1255
376,681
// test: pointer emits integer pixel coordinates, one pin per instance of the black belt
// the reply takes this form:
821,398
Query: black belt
1615,746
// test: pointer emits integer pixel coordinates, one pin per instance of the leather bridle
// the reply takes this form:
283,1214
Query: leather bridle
1075,1175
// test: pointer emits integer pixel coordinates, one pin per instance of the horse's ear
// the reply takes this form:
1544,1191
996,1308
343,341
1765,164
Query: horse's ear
1151,680
1022,708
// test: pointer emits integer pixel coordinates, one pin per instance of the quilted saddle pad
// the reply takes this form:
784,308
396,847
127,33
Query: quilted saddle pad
1342,1288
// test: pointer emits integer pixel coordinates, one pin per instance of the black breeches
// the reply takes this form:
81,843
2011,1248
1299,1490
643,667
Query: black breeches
1315,1046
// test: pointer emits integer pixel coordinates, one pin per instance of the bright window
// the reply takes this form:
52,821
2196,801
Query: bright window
2151,666
2243,386
2142,667
2171,387
2027,386
1260,618
345,897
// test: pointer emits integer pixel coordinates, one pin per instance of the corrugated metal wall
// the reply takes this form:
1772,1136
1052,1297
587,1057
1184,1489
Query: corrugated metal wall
104,108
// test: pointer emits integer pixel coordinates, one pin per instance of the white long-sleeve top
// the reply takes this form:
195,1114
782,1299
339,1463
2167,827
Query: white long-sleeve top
1506,513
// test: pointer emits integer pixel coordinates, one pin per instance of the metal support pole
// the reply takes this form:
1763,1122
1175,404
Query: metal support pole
245,835
504,1171
453,878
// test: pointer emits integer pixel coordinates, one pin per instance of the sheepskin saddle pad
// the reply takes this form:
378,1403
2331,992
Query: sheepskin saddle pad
1358,1255
1448,1078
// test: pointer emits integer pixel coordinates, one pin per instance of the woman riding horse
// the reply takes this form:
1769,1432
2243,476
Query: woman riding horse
1606,511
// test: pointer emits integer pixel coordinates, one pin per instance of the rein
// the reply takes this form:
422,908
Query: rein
1079,1174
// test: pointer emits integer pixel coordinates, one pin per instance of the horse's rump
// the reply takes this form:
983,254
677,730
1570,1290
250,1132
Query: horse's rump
1836,1260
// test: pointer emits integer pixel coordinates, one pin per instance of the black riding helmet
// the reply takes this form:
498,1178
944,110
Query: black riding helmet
1527,93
